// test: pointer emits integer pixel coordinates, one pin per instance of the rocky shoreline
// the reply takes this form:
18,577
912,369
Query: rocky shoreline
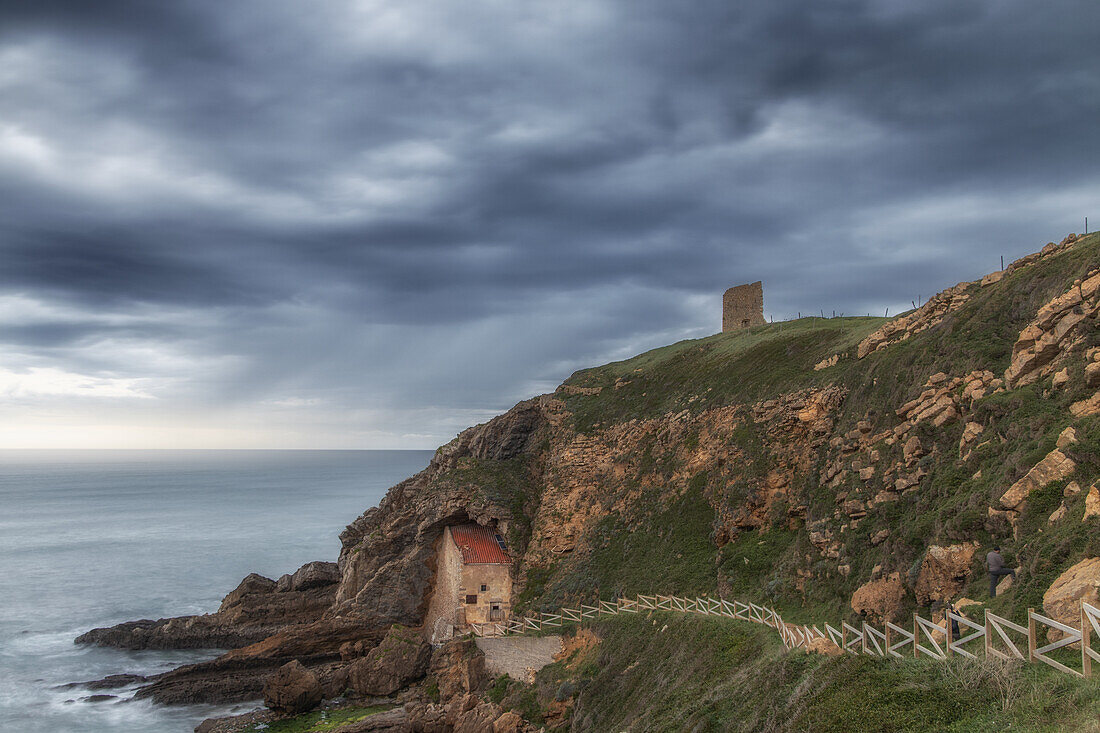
329,618
879,468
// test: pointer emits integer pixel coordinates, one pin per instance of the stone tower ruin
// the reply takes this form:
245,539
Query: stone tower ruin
743,307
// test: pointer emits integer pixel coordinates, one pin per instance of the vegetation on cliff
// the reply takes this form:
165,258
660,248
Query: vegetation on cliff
663,671
830,467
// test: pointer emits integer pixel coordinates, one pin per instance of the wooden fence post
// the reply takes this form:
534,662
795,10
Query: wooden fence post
1031,645
916,636
947,632
988,634
843,637
1086,660
887,624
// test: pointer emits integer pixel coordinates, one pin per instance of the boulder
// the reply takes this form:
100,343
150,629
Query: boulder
402,657
992,278
427,717
478,719
1054,467
1084,408
880,599
253,583
944,572
458,707
1066,438
311,575
912,450
509,723
292,689
820,645
1092,503
970,434
1057,513
1062,601
855,508
459,668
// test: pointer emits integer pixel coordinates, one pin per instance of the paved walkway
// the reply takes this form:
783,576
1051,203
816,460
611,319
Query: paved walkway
519,657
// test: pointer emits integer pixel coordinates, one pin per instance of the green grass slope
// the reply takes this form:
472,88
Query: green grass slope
670,548
663,671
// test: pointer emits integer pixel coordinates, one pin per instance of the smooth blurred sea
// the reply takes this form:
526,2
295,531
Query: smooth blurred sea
94,538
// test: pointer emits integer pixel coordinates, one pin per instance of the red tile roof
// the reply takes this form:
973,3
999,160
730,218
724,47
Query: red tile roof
479,545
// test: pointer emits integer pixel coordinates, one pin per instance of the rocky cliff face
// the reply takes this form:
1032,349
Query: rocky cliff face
851,463
486,475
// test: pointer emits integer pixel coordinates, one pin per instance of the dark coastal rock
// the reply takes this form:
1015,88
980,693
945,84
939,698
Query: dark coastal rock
459,668
98,698
311,575
239,675
383,578
292,689
110,682
401,658
253,611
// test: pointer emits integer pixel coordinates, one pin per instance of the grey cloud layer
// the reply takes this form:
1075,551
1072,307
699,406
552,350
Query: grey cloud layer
434,210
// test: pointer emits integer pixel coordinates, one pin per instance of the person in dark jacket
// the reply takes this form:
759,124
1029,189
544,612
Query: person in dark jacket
997,569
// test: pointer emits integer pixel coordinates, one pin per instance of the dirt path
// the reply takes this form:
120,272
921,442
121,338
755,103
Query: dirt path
519,657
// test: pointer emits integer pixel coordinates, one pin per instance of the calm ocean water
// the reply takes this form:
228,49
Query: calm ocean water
93,538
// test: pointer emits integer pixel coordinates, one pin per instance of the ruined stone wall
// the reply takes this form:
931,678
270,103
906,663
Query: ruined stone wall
743,307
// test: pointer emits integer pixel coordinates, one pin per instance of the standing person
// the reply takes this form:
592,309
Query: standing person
997,569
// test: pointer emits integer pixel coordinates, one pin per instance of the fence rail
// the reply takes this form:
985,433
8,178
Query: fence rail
997,636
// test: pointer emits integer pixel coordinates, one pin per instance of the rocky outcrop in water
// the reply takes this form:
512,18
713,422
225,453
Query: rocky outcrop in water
253,611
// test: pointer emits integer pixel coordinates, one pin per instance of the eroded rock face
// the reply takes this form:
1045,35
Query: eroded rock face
944,572
459,668
912,323
1054,332
292,689
475,717
880,599
309,576
1092,503
387,553
1054,467
402,657
1081,583
509,723
240,674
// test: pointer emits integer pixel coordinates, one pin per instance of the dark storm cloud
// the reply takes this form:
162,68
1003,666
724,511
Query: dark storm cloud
431,208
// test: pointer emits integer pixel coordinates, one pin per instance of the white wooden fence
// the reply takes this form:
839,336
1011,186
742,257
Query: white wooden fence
999,637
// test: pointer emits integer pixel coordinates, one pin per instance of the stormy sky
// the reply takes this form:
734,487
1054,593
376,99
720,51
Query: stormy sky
369,224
